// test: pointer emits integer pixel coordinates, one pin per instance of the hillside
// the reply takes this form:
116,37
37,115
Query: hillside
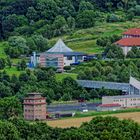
35,25
83,40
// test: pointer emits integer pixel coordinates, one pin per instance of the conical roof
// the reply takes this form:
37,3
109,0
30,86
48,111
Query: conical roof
60,47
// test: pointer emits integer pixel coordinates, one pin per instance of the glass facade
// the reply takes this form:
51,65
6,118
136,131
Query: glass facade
69,57
53,62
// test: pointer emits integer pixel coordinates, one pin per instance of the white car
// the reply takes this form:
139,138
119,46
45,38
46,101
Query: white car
85,110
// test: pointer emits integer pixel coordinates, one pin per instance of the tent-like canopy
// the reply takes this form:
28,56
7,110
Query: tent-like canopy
60,47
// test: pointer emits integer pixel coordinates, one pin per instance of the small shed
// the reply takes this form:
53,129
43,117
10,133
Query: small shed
108,107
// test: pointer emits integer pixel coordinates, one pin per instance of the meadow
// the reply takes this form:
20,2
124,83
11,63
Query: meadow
76,122
61,76
84,40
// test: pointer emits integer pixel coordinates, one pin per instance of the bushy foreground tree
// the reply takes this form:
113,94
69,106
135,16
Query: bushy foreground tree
99,128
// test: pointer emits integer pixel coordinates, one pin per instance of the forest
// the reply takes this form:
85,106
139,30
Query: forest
111,70
31,25
28,24
100,128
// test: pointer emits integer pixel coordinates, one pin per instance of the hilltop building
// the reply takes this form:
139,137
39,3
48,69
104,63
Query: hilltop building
113,103
34,107
58,56
131,38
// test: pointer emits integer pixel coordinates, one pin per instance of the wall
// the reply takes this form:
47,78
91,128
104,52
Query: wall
60,61
126,49
124,102
35,109
68,62
108,108
106,100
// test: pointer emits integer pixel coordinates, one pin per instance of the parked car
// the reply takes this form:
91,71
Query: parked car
85,110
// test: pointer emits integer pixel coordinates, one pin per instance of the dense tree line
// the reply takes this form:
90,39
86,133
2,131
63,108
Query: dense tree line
111,70
134,53
111,50
18,45
28,24
43,81
50,18
100,128
55,17
104,41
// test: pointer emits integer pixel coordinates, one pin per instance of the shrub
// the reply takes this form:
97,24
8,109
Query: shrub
112,18
67,68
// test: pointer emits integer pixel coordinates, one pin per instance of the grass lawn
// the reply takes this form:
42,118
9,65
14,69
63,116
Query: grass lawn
12,70
2,46
84,40
61,76
87,46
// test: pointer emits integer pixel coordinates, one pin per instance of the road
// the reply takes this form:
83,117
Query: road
71,107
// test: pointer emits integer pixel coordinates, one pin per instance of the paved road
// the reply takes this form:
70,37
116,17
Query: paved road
71,107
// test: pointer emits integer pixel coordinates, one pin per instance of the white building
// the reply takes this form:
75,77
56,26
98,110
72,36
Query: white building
126,101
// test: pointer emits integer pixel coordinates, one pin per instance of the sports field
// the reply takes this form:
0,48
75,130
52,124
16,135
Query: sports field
76,122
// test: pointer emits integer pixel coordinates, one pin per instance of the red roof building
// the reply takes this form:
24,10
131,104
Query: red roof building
134,32
131,38
110,105
129,42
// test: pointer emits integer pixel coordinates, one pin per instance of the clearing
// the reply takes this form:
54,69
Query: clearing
84,40
76,122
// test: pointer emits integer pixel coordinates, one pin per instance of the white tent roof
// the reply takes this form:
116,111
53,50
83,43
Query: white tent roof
134,82
60,47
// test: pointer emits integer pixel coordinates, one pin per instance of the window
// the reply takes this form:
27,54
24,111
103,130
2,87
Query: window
52,62
69,57
80,57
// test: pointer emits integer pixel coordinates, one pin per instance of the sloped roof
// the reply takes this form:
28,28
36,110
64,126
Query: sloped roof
60,47
129,42
122,96
133,31
134,82
110,105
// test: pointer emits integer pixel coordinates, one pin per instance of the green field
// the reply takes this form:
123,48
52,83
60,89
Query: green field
84,40
2,46
12,70
61,76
